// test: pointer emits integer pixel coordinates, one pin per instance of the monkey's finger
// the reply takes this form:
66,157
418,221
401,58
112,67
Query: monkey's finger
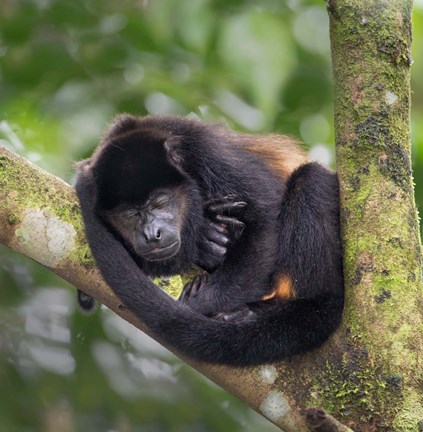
227,220
216,249
227,207
186,291
236,231
192,288
224,201
220,199
217,234
235,228
198,282
212,226
213,256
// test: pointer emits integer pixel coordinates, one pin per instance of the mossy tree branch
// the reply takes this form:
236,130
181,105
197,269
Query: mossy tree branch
370,373
40,218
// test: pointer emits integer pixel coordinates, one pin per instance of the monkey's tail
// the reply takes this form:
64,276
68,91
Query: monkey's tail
273,333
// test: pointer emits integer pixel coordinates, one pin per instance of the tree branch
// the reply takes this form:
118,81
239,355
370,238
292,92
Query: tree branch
40,218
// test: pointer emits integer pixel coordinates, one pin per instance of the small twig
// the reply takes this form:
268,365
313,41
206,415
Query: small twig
320,421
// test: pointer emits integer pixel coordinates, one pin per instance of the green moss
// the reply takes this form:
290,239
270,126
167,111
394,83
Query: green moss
12,219
82,254
32,189
411,417
354,386
172,285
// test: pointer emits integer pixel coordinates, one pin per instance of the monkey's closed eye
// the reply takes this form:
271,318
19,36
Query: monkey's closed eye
130,213
161,202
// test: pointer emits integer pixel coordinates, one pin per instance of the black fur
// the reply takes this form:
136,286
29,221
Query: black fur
85,301
292,229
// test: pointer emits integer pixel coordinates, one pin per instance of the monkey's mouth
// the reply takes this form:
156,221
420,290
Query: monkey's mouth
164,253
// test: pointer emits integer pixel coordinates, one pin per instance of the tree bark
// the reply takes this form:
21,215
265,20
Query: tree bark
371,42
369,375
320,421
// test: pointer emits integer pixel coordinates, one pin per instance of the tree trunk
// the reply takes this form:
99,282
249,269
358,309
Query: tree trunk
369,375
371,43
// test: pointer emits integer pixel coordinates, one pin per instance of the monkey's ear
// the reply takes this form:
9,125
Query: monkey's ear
174,155
83,165
120,124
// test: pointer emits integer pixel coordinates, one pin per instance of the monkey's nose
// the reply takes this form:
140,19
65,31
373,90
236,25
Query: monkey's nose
152,233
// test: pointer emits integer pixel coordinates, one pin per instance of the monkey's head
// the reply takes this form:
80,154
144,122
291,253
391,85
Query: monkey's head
153,227
146,199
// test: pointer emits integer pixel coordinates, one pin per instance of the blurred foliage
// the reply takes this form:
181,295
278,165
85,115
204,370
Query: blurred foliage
66,67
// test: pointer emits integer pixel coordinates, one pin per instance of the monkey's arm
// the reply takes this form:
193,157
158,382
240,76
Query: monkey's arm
219,168
117,266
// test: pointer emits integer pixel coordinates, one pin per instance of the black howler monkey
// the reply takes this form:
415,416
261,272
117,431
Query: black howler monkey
279,289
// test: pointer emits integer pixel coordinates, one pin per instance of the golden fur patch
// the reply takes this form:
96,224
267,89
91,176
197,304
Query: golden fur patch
284,289
281,153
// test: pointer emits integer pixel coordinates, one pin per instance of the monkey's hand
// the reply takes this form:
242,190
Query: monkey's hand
212,246
228,212
221,229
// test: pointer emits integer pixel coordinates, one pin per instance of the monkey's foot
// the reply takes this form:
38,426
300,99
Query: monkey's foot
199,295
192,288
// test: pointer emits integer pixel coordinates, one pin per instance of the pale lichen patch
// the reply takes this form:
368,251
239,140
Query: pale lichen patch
55,238
268,374
390,97
274,406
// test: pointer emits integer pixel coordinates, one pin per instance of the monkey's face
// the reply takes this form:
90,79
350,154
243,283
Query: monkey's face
153,228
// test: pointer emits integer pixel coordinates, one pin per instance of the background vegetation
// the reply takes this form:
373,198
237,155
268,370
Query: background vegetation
66,67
